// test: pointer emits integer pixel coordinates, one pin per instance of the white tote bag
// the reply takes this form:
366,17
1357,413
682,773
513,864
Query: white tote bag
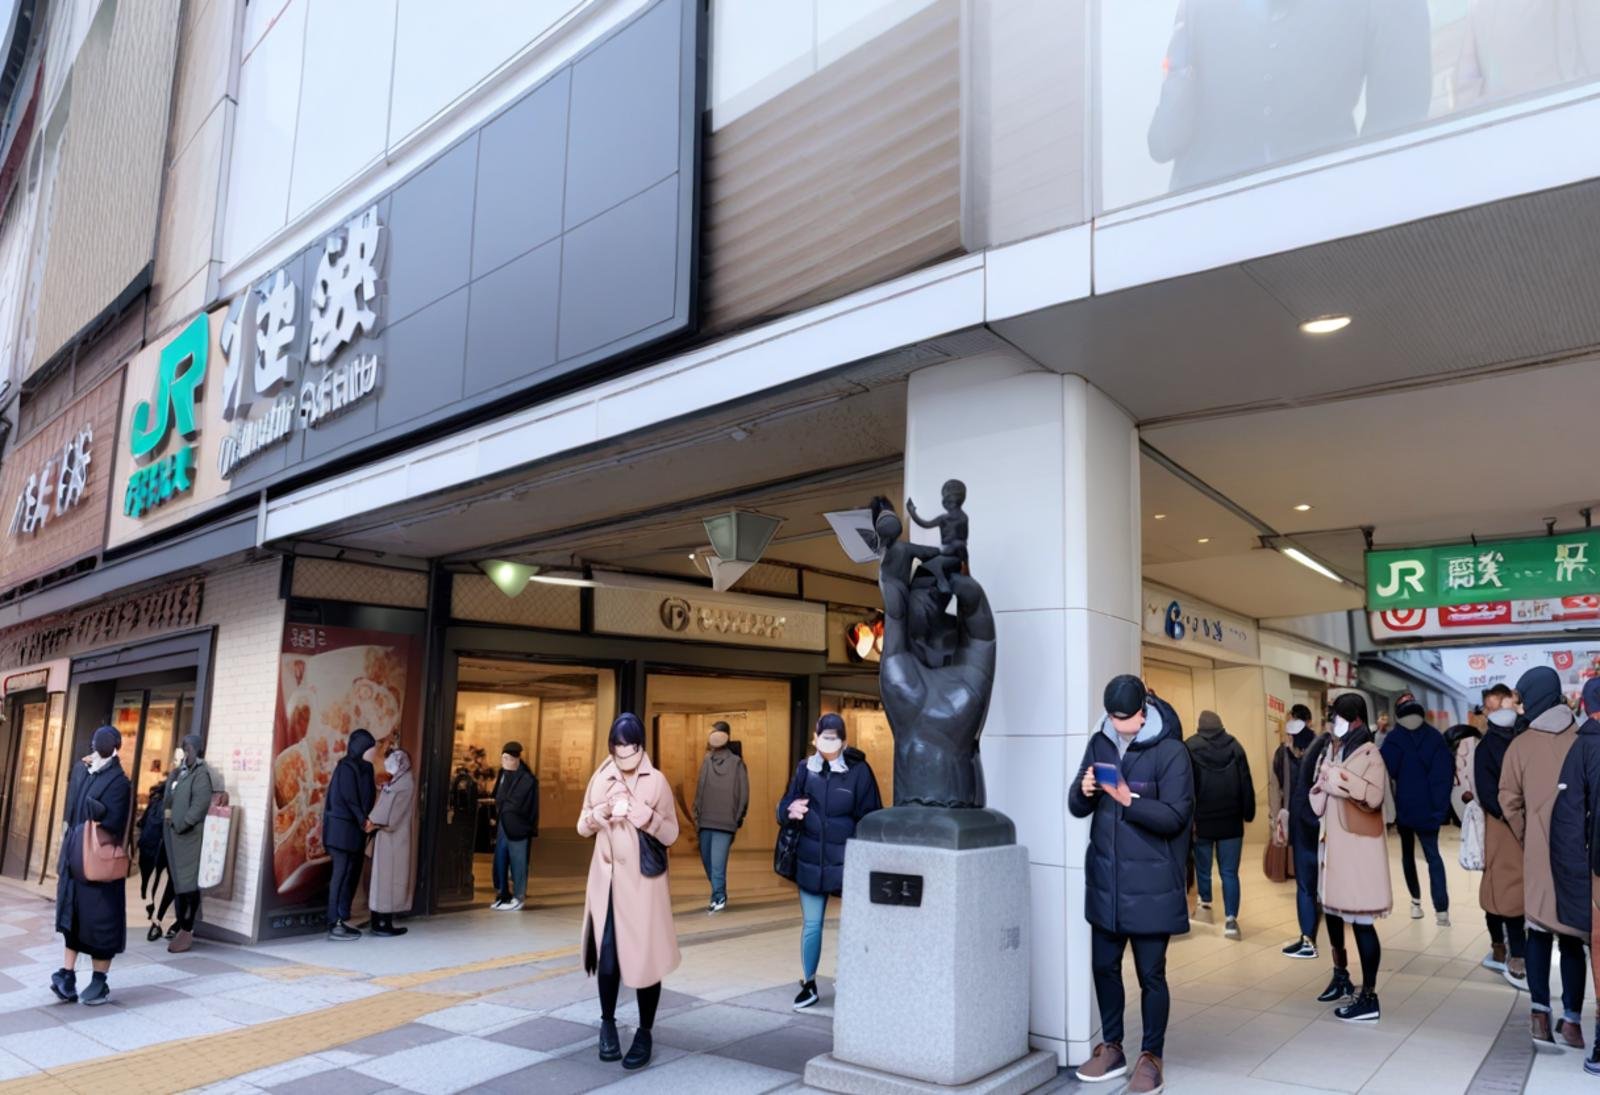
1472,837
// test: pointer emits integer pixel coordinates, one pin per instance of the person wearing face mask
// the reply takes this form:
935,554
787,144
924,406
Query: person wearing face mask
394,845
1134,893
352,792
1348,791
1574,851
92,917
1297,824
628,936
1422,768
831,791
1500,891
189,791
720,801
1529,783
1462,740
516,802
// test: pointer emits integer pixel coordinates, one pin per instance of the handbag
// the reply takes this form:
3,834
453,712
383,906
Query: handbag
786,852
1275,862
105,856
652,855
1472,832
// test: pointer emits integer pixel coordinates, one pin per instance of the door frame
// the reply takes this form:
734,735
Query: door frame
13,753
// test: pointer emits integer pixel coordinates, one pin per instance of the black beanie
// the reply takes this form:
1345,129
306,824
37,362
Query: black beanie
1540,689
1125,696
1406,708
512,748
1300,711
1351,707
107,741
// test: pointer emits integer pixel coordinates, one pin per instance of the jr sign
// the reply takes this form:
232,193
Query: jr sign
1508,570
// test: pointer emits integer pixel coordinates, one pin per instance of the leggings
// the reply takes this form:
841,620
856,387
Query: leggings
610,977
1507,931
188,910
1367,946
152,869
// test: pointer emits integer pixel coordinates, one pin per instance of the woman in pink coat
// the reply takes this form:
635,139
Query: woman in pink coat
628,934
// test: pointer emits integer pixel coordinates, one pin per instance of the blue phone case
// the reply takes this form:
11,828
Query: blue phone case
1107,775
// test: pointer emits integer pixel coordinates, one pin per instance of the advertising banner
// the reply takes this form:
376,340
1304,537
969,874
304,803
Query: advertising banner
332,681
1542,614
1480,667
1540,568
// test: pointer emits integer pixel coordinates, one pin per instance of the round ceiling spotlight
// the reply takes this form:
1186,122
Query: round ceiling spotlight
1325,325
1303,507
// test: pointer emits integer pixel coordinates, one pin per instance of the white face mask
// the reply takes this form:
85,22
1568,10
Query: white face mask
1341,726
391,763
1294,727
829,746
177,758
1412,722
1504,717
628,764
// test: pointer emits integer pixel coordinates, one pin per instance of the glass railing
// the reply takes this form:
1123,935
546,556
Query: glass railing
1195,92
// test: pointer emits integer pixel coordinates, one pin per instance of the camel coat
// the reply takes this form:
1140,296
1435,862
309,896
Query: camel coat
1348,796
1527,797
641,908
394,847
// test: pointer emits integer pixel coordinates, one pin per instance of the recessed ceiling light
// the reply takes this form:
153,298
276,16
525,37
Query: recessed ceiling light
1159,517
1303,507
1204,540
1325,325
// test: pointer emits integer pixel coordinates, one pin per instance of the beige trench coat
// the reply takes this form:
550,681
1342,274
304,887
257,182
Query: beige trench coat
641,908
1349,798
394,848
1527,798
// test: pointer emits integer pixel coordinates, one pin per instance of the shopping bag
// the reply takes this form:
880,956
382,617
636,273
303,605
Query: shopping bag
217,842
1472,838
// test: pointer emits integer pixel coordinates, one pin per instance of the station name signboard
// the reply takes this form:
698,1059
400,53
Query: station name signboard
1546,570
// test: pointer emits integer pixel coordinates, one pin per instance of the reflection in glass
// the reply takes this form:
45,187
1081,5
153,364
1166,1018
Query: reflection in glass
45,834
24,786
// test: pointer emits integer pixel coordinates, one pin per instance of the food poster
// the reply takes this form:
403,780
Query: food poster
332,681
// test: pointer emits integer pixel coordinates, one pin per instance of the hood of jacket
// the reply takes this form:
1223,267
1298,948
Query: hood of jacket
360,742
1302,741
1154,729
722,759
1556,720
1212,750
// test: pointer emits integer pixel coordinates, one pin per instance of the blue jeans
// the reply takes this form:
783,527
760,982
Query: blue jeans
1305,889
813,906
714,846
1228,852
1429,839
510,866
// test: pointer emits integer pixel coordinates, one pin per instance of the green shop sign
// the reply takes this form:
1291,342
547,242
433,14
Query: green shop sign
181,373
1510,570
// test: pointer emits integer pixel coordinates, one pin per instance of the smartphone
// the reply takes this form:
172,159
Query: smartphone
1107,775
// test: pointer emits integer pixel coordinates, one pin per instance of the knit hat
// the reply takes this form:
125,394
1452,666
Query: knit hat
1540,689
1408,707
1208,722
512,748
1125,696
1591,696
1300,711
1351,707
106,741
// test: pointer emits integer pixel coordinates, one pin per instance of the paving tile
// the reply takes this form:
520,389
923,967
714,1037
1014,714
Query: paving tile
545,1033
338,1081
562,1076
122,1029
53,1047
298,1069
26,1019
699,1074
786,1048
446,1067
474,1018
217,984
714,1025
396,1040
145,996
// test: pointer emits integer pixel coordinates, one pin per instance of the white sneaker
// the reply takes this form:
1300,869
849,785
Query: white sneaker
718,906
1416,910
1231,929
499,903
510,906
1442,919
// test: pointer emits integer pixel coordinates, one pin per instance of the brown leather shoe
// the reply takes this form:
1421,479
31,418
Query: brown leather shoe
1569,1035
1147,1076
1541,1031
1106,1063
180,943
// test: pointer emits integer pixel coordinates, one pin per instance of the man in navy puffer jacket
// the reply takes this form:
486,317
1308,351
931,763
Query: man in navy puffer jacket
1423,770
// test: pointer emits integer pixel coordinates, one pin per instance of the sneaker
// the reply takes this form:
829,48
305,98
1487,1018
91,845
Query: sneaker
1339,988
1106,1063
1592,1064
719,904
1301,948
1539,1026
1496,958
1442,918
499,903
1147,1076
64,983
1569,1035
98,992
1516,973
807,996
1202,911
1230,929
610,1044
1416,910
1363,1009
343,933
510,906
638,1053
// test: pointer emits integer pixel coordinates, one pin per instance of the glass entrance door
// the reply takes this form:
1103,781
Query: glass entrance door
31,720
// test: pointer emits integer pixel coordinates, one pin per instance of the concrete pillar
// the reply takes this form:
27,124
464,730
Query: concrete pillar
1052,472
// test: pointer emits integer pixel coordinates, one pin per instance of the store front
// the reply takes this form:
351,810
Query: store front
30,743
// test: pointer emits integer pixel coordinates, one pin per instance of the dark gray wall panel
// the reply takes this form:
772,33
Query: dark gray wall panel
431,343
521,173
616,277
430,231
511,331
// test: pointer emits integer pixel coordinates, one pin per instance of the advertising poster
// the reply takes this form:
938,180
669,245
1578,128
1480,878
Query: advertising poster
332,681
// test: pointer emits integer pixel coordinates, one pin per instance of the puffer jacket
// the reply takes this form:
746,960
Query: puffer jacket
1224,793
1528,797
1574,853
1136,864
840,795
1500,891
1423,770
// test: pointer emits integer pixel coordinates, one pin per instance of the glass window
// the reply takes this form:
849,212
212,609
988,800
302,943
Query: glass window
46,833
25,785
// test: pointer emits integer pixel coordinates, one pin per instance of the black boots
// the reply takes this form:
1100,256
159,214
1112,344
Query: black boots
383,924
1363,1009
610,1044
1341,986
638,1053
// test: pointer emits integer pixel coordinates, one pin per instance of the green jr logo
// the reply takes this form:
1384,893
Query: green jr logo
179,383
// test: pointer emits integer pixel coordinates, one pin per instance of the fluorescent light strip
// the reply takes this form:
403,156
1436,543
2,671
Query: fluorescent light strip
1311,564
553,580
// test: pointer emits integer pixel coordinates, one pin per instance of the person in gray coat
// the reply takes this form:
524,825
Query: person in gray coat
188,797
720,803
394,848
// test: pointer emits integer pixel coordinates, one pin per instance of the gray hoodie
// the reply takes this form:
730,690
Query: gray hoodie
723,795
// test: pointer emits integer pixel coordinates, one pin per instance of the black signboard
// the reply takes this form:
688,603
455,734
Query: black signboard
896,889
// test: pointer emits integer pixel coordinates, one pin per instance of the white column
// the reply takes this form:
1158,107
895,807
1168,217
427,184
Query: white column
1051,466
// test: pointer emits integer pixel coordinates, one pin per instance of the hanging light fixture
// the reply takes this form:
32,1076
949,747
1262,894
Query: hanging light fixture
510,578
738,539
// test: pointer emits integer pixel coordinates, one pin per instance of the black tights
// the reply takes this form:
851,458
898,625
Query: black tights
1507,931
188,910
1367,946
610,977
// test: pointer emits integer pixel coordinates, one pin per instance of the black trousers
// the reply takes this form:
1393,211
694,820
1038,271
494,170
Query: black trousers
1150,963
1508,932
610,977
188,910
1429,839
342,886
1574,970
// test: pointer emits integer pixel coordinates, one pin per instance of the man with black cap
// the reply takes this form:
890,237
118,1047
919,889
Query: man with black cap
1529,785
1574,852
516,809
1297,823
1423,770
1137,785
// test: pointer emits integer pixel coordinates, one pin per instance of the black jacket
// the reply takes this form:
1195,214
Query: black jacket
1573,848
95,912
838,800
1305,827
351,795
1224,793
1423,769
516,802
150,824
1486,764
1136,864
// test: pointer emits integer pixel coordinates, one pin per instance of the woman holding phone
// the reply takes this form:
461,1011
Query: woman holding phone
628,936
831,791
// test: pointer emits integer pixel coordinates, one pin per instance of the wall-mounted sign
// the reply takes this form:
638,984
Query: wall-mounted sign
1540,614
1485,666
1177,620
1540,568
170,607
627,604
26,682
55,488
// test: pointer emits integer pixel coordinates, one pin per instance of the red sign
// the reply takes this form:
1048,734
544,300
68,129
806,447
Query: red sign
1481,615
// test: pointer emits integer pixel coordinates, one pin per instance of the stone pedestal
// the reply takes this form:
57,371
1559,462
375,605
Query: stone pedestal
932,988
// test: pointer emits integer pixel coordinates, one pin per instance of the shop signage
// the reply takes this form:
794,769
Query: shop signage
266,394
627,604
26,682
1335,670
170,607
1540,568
1176,620
57,487
1480,667
1540,614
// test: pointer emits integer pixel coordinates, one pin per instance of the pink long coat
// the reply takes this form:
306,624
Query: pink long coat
641,908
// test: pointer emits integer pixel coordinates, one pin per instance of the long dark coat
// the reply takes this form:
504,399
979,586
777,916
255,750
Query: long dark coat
188,798
1573,851
352,793
95,912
